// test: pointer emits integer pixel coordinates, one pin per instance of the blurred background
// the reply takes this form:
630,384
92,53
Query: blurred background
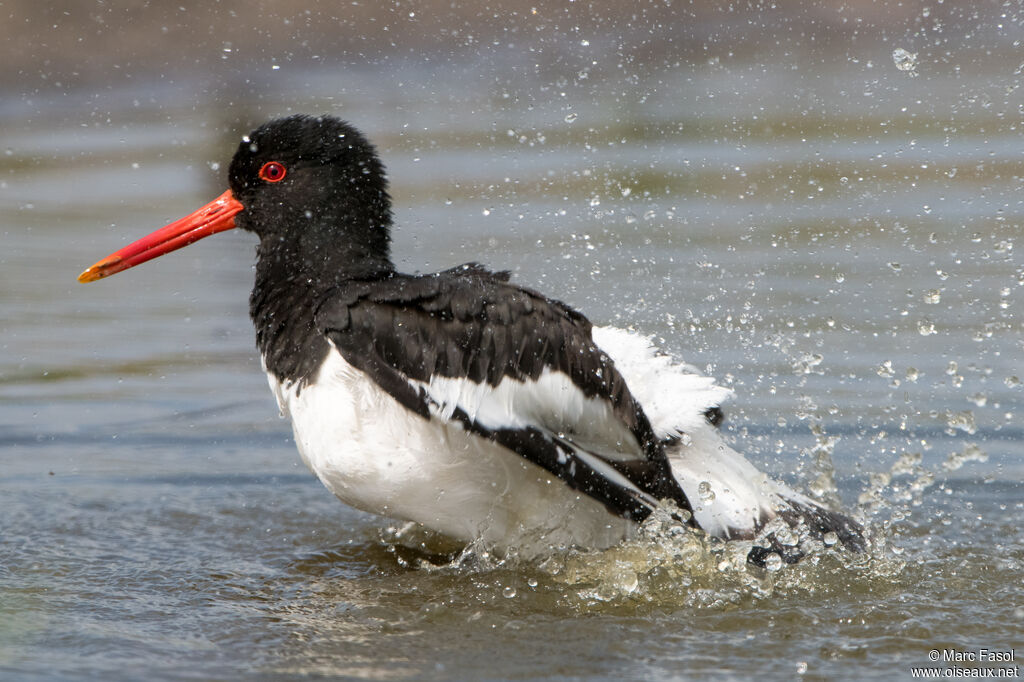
817,202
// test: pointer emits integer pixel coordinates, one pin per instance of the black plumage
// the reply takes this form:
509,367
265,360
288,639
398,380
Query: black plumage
469,323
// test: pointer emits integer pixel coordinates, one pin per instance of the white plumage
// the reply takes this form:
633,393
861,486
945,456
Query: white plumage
375,454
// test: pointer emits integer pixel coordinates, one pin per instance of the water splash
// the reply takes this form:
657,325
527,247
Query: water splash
668,564
970,453
905,61
671,564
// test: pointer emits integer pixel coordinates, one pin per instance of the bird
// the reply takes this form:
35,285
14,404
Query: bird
476,407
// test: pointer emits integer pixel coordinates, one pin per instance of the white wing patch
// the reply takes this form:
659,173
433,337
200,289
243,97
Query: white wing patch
673,395
552,404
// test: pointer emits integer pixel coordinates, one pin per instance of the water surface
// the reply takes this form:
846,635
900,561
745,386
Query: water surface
838,244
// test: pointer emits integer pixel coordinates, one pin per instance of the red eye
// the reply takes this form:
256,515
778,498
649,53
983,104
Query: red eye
272,171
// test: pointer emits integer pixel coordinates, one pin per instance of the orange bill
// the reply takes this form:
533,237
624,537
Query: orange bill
216,216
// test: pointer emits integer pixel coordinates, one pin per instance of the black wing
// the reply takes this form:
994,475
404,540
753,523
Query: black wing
463,344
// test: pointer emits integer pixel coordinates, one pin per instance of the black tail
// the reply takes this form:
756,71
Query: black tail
818,522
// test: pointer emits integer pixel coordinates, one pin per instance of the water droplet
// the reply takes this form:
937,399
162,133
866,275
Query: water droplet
705,492
926,328
932,296
569,118
787,537
830,539
508,592
963,421
905,61
773,562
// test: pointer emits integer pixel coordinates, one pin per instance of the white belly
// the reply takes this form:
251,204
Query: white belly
376,455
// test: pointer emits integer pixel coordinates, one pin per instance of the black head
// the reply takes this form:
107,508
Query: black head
315,192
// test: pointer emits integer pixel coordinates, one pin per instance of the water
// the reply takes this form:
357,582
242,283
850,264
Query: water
841,245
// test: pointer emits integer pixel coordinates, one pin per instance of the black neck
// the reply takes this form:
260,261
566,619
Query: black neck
285,332
293,275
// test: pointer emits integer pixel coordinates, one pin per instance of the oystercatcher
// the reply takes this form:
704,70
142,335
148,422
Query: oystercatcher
459,400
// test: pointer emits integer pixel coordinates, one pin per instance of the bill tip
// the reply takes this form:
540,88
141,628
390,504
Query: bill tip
107,266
